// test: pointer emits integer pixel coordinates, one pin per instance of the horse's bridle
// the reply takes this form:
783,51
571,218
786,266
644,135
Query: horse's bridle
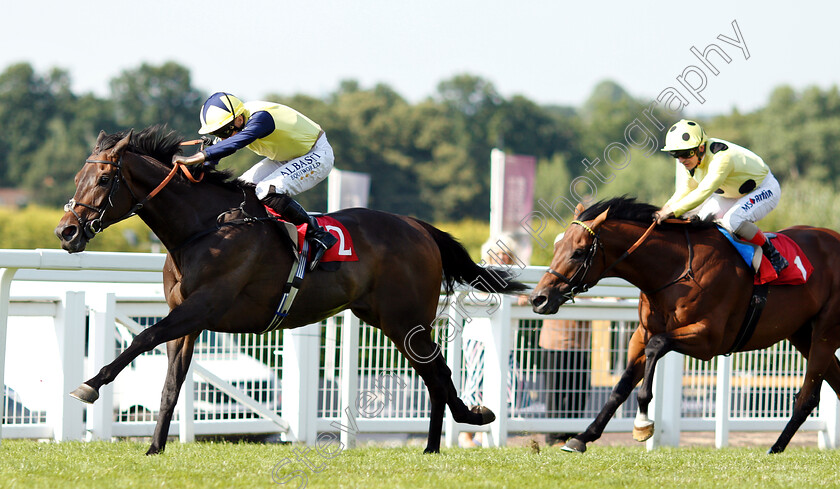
583,270
95,226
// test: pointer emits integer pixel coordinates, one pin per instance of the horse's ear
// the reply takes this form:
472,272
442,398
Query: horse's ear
97,148
600,219
579,209
120,147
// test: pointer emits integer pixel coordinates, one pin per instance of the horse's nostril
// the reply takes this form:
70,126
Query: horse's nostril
538,300
68,232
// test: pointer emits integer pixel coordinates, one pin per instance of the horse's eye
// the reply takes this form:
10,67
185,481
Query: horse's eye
104,180
578,254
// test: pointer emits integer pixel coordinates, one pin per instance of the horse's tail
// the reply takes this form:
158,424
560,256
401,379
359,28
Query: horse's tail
458,267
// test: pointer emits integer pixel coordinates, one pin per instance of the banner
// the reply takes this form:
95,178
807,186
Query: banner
512,196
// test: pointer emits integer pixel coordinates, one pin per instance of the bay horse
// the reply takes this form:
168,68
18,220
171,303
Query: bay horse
694,296
227,265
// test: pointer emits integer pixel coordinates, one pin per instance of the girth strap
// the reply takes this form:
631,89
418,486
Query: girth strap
757,303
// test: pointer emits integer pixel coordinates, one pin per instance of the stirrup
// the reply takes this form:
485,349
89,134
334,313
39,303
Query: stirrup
778,262
322,240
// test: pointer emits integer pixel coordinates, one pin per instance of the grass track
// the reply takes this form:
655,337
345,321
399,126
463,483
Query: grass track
99,465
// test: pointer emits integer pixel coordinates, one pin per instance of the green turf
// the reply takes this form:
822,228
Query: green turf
100,465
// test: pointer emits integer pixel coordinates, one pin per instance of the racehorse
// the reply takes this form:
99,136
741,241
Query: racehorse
695,291
227,265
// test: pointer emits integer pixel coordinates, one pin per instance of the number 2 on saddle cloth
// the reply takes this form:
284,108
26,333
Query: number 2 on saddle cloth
341,251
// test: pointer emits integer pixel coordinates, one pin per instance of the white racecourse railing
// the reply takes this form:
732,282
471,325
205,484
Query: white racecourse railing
344,377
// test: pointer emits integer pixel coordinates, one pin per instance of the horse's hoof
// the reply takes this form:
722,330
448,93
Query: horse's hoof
431,450
154,451
85,393
574,445
487,415
644,433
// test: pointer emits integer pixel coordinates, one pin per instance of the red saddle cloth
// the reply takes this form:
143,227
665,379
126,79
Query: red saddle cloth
798,270
341,251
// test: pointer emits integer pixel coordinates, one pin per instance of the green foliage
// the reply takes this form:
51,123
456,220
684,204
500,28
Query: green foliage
32,227
431,159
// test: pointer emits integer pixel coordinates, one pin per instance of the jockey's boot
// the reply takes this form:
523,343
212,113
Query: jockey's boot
319,238
776,259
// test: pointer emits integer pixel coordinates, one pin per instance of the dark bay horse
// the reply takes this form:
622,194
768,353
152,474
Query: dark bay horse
693,302
229,278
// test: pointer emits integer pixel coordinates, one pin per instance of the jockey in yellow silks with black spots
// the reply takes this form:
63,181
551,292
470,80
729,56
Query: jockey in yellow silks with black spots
297,155
721,179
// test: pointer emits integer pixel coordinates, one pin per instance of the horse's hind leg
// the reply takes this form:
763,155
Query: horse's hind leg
477,415
821,359
801,340
425,358
179,352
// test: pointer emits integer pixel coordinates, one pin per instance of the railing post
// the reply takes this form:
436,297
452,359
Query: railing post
666,408
496,367
66,417
454,351
6,275
723,395
349,378
301,360
101,352
186,408
829,437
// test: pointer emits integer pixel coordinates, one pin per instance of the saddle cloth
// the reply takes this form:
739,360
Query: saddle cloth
797,272
341,251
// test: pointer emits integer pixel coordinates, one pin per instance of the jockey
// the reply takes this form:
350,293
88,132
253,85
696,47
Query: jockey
724,180
297,155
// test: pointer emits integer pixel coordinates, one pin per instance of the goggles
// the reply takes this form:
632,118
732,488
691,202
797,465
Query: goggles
226,131
683,153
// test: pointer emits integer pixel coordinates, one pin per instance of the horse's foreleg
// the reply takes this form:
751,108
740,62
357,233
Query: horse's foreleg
655,349
180,322
820,358
622,390
179,352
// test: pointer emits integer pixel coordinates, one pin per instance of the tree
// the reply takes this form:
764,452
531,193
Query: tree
152,95
26,106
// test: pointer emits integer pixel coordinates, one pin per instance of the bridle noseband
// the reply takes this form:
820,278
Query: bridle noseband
95,226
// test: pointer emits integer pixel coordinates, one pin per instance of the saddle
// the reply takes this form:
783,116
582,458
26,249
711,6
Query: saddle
797,272
342,251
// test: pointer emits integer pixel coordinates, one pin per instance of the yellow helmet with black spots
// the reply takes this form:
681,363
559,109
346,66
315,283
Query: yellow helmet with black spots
218,110
685,134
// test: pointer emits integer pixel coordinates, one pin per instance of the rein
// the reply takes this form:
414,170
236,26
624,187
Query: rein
583,270
95,226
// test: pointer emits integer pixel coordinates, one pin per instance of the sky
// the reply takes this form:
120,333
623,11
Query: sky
552,52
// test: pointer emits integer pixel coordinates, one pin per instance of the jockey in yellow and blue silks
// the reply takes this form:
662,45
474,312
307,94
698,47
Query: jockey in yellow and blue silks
721,179
297,155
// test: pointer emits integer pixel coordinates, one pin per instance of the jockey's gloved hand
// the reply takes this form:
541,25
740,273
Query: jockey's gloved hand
207,141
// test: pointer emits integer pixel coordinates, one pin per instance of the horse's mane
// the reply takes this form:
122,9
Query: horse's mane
162,143
628,209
